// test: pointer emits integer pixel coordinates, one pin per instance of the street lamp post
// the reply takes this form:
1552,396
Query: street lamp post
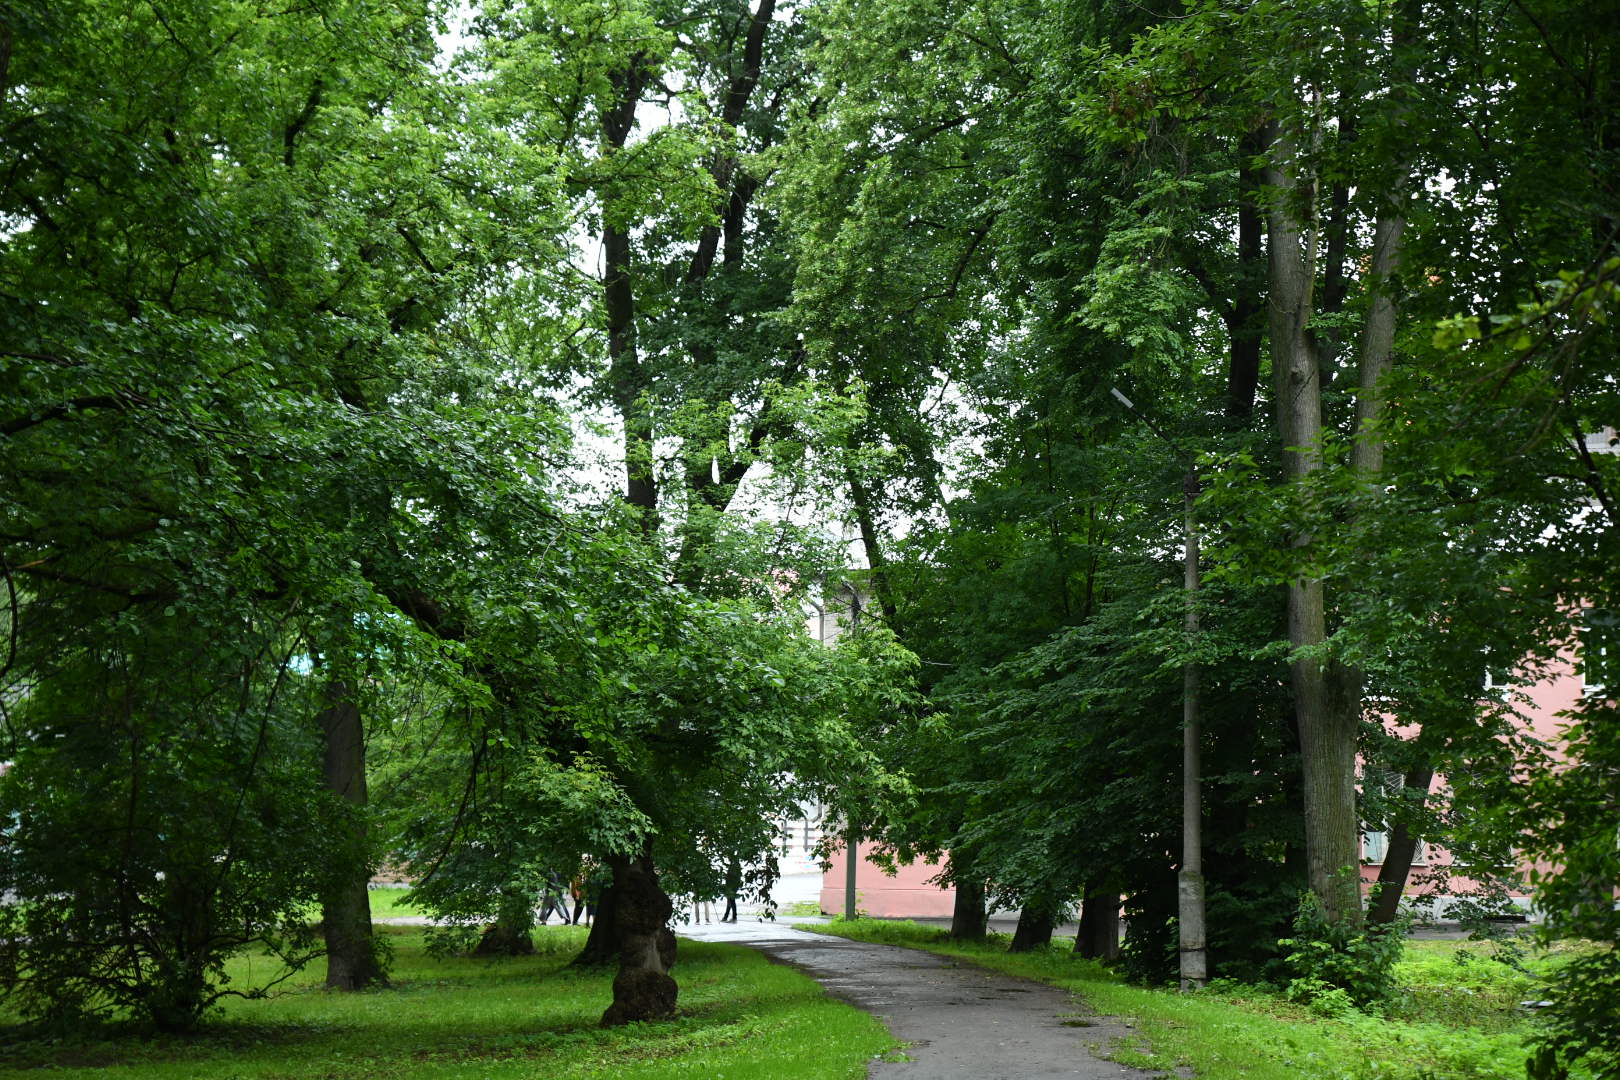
1190,881
852,841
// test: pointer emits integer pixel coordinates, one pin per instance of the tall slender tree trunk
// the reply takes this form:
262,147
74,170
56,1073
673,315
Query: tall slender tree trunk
643,988
626,376
351,953
1327,730
1398,854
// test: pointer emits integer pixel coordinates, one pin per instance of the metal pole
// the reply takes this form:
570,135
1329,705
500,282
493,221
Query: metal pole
1190,882
852,856
852,842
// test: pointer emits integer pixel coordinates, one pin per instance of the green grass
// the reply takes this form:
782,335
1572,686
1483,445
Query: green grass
388,902
742,1018
801,908
1468,1028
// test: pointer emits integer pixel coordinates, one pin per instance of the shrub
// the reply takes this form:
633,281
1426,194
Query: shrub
1323,957
1581,1032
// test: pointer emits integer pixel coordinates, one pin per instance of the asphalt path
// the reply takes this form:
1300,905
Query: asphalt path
958,1021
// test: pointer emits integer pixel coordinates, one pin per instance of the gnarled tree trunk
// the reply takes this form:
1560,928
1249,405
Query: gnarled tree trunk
643,989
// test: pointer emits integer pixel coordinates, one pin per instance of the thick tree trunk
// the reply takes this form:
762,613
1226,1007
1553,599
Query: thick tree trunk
351,954
509,934
1035,926
1098,938
969,919
643,989
1398,855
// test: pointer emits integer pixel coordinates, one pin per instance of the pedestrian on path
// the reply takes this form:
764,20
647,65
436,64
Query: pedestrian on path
733,886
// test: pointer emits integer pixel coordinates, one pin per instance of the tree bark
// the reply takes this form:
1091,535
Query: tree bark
969,919
1398,854
351,953
1098,938
1327,734
1246,327
626,376
1035,926
643,989
602,944
509,934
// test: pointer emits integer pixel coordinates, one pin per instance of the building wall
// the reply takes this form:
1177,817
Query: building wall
906,895
1431,885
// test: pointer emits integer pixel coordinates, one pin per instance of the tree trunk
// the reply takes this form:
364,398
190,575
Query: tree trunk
1035,925
969,919
1098,938
602,944
626,377
509,934
1247,324
352,962
643,989
1398,854
1327,735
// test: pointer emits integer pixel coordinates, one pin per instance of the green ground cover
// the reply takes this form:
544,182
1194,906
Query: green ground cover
742,1018
388,902
1458,1016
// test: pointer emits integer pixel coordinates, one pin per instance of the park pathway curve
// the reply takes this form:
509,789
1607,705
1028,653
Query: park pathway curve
962,1022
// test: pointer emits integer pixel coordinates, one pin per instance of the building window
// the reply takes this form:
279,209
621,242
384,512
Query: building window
1375,845
1379,788
1599,650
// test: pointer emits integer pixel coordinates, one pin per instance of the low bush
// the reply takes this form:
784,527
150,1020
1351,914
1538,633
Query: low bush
1335,967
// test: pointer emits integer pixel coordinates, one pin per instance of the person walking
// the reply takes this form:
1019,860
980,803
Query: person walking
553,897
733,886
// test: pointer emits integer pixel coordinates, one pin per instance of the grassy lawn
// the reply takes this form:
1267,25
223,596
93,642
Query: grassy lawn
388,902
742,1018
1458,1018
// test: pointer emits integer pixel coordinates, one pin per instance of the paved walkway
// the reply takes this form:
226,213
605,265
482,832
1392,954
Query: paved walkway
961,1022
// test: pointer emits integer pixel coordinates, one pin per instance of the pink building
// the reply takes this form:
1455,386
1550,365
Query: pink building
1544,705
907,895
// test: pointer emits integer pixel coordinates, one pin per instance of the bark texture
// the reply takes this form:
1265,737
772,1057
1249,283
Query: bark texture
1398,854
643,988
602,944
1098,937
1035,926
351,953
969,920
1327,730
